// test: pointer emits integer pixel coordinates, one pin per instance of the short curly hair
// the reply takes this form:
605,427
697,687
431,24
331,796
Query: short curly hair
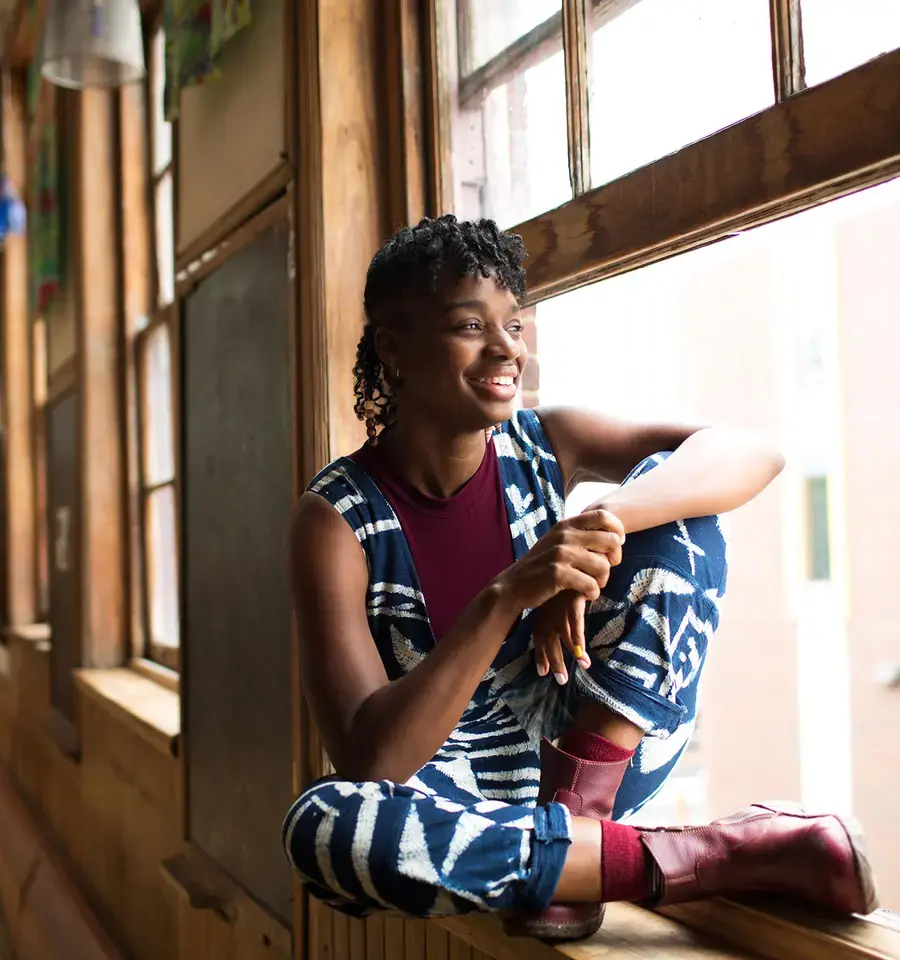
411,264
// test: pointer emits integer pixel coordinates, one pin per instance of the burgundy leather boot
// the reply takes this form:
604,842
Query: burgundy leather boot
773,848
588,789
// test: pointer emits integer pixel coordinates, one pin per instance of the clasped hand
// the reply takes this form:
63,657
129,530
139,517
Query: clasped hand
565,569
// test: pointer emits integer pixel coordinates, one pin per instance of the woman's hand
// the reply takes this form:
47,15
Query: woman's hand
566,567
559,623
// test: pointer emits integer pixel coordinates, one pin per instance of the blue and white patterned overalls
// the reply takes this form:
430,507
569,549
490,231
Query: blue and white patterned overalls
464,833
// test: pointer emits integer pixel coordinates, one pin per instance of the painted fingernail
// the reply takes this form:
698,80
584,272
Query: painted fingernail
579,652
542,669
561,678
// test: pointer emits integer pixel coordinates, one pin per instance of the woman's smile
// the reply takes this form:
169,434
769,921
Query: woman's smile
498,386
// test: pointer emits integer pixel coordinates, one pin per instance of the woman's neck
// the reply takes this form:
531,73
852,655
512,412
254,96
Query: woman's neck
435,463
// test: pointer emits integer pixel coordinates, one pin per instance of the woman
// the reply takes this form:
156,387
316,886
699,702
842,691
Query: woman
454,627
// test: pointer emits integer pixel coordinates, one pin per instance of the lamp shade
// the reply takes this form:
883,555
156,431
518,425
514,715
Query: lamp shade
92,43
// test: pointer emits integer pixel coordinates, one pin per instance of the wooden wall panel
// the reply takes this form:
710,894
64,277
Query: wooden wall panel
15,383
333,936
64,546
116,816
231,134
237,502
96,248
356,219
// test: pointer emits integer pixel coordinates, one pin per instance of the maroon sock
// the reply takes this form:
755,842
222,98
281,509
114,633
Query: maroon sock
591,746
624,866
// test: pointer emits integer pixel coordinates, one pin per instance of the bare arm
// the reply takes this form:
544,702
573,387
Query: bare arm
712,470
374,729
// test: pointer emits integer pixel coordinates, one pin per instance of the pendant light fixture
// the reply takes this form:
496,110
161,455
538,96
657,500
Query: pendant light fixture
92,43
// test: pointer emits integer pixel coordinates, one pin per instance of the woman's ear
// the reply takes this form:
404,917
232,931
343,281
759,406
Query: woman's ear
388,350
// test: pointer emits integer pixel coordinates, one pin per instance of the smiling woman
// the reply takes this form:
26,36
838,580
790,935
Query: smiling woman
437,587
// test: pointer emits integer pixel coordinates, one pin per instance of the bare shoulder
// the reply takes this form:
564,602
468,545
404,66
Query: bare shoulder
322,541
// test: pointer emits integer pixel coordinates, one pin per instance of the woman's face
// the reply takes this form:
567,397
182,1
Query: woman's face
460,356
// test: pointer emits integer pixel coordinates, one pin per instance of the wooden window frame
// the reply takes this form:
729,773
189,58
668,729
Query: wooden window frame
786,159
156,177
163,316
571,29
153,649
39,400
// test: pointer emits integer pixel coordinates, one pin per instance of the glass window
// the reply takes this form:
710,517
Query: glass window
666,73
165,240
159,459
818,535
487,29
838,36
153,355
162,129
508,137
39,401
162,575
160,553
791,330
161,176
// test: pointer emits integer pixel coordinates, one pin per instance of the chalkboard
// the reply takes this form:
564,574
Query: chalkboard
64,548
236,505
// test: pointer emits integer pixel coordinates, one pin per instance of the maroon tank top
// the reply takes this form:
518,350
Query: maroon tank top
458,544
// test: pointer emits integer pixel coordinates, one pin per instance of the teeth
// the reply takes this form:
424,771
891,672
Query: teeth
500,381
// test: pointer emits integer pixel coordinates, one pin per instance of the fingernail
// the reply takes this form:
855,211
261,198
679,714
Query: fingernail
585,662
542,669
561,678
579,652
622,539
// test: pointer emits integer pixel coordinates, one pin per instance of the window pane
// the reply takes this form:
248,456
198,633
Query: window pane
838,36
666,73
165,241
818,536
162,131
510,153
485,29
790,330
162,572
159,451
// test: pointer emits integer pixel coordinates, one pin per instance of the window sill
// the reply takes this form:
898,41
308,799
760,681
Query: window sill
788,931
628,932
712,929
148,708
157,673
37,634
